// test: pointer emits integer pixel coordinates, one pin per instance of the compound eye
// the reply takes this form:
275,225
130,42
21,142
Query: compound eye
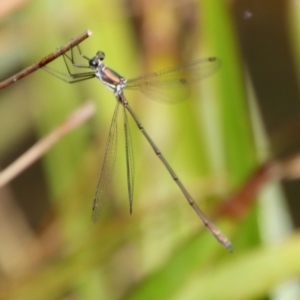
94,62
100,55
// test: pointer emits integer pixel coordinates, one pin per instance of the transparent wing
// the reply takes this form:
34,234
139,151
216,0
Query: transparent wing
173,84
107,168
129,160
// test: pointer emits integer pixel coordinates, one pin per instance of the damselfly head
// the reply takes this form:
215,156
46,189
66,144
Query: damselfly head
100,55
96,60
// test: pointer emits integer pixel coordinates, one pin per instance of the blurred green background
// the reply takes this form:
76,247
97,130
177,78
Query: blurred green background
49,248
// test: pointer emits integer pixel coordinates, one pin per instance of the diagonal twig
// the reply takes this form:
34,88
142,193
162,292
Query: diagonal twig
47,59
41,147
237,205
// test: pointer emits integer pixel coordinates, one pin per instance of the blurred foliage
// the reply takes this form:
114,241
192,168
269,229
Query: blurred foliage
49,248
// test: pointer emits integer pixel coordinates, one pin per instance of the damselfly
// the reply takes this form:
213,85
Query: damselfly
169,85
